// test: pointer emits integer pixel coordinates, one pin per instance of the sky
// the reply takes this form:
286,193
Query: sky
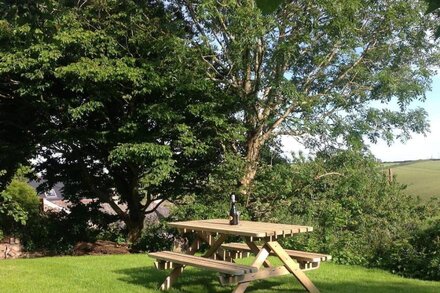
419,147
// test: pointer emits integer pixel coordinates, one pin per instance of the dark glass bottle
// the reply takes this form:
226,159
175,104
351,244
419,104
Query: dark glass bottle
233,214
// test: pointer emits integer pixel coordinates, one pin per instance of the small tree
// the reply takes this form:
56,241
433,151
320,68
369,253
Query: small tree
18,201
108,97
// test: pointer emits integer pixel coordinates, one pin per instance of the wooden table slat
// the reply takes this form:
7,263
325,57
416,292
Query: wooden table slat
197,261
244,228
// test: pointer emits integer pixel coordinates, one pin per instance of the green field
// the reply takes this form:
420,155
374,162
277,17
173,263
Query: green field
421,177
136,273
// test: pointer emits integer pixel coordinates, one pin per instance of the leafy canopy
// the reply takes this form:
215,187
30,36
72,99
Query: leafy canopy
324,71
109,99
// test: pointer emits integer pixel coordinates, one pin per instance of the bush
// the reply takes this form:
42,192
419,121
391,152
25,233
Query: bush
356,213
57,233
417,257
115,232
191,208
155,237
18,203
24,194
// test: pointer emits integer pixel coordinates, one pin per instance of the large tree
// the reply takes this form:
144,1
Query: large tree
106,98
321,71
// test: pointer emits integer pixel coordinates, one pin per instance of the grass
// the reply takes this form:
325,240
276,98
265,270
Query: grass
421,177
136,273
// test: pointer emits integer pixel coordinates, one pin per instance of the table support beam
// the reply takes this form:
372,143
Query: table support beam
258,262
262,274
293,267
254,248
215,248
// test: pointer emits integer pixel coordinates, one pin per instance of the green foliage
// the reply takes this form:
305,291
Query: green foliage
321,71
432,5
357,215
268,6
58,232
113,232
11,209
355,212
156,237
48,233
131,102
54,233
432,9
23,194
417,257
112,99
18,202
210,207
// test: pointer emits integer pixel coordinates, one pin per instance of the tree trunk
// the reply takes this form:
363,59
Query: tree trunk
135,227
136,216
253,148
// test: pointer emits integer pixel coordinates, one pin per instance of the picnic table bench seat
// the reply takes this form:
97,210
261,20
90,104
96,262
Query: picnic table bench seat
306,260
168,259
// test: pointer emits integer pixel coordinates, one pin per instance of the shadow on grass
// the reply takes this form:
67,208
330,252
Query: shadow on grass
193,280
151,278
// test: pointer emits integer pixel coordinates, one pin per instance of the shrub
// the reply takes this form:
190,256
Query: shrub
155,237
355,211
191,208
115,232
18,203
417,257
57,233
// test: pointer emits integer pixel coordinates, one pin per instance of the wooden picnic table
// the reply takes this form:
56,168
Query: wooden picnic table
259,238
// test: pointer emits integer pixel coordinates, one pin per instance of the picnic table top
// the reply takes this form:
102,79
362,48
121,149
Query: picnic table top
244,228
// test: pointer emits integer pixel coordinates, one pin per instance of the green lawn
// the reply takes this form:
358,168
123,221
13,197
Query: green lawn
136,273
422,177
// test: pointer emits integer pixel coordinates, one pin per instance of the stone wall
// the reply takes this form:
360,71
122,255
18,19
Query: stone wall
10,247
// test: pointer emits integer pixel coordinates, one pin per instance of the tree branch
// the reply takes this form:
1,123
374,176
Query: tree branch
277,122
104,197
327,174
155,208
320,66
361,57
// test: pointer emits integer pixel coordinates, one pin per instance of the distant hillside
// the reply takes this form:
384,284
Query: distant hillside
422,177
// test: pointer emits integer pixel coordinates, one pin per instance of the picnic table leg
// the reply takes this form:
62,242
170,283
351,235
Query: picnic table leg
254,248
175,273
215,248
241,287
292,267
258,262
